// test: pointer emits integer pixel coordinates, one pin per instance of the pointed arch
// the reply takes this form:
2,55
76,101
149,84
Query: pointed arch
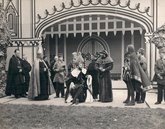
143,20
101,41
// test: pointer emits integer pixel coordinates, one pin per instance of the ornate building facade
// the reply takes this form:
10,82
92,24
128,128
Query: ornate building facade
88,26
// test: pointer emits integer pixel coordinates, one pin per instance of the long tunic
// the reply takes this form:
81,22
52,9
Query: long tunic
15,78
105,79
59,68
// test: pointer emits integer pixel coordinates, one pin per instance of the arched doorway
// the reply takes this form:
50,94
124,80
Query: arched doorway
91,45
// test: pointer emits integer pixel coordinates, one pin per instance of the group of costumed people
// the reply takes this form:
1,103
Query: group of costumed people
135,73
84,85
18,75
135,76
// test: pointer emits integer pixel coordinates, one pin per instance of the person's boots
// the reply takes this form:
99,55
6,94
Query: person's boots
126,101
130,103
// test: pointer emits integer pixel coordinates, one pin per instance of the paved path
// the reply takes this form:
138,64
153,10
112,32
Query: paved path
119,94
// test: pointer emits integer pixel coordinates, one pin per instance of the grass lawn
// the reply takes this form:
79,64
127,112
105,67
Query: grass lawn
78,117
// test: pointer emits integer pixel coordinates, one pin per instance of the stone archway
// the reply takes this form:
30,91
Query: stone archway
108,9
142,18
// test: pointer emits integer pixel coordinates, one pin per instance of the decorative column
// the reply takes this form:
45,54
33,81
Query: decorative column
65,49
122,53
56,42
153,55
148,53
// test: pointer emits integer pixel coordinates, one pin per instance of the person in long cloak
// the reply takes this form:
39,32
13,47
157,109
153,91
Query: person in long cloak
26,71
40,83
92,70
140,95
138,76
105,64
15,78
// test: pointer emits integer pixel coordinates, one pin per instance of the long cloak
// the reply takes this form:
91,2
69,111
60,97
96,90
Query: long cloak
35,82
105,83
15,79
138,73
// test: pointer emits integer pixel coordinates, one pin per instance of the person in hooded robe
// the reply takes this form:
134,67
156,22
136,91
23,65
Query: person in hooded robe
105,65
40,83
140,95
139,78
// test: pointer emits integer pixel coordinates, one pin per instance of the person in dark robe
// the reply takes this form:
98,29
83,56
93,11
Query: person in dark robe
139,78
71,67
78,88
15,77
105,64
26,71
160,75
40,83
92,70
140,94
127,79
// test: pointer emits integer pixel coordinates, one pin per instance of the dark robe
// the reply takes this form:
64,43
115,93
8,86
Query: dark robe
105,83
80,90
15,78
94,73
40,83
26,69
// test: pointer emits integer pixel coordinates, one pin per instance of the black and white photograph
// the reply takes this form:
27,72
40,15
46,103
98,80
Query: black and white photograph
82,64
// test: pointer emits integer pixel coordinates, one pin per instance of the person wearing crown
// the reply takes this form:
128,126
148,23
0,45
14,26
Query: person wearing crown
40,83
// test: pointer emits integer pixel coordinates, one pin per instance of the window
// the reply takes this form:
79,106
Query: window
63,27
78,26
10,21
70,27
86,26
102,25
110,25
119,24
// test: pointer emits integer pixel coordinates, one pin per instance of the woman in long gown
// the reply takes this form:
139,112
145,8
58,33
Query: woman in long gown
105,64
